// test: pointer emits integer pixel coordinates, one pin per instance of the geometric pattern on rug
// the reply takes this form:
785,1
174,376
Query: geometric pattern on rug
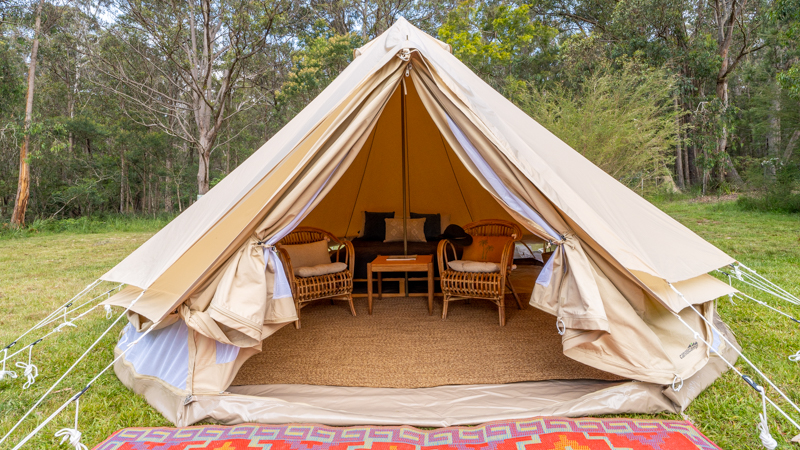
550,433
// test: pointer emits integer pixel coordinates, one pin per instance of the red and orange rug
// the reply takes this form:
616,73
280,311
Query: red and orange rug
549,433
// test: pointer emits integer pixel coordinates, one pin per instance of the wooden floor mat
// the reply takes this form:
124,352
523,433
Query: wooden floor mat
401,346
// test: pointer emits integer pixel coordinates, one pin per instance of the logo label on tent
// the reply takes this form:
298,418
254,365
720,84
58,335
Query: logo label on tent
692,347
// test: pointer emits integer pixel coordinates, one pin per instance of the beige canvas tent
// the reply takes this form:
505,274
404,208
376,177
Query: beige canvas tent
214,286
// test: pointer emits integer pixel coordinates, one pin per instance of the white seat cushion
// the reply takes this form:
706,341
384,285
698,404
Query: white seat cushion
320,269
474,266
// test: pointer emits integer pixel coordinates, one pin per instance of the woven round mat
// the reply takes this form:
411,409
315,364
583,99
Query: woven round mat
401,346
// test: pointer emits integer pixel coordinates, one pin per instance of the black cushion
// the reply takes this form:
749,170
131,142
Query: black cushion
375,226
433,224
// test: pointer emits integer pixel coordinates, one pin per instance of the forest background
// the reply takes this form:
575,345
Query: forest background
137,106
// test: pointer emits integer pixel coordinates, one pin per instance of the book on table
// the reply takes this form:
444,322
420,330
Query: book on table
401,257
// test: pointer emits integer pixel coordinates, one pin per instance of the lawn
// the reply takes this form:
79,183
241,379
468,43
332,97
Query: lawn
39,271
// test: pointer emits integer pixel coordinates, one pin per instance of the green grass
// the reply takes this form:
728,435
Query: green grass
40,270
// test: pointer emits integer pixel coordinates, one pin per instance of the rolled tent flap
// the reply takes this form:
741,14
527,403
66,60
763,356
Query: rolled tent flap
572,293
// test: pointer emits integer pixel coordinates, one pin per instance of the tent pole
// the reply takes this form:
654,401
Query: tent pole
404,150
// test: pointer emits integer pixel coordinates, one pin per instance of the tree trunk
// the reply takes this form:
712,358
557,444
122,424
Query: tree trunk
204,154
787,154
774,138
122,183
679,149
23,185
168,187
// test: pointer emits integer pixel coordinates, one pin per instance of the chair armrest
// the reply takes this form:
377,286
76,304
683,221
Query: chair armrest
508,257
350,258
441,254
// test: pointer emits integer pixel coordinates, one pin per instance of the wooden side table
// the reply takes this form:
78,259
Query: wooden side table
422,263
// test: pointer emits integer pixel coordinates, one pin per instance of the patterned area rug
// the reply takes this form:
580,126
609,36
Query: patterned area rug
530,434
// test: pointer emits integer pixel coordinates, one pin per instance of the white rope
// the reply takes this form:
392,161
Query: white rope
737,371
753,274
561,327
78,395
72,434
109,312
763,426
795,357
10,374
106,293
30,371
752,278
753,282
55,312
744,296
53,331
41,399
722,336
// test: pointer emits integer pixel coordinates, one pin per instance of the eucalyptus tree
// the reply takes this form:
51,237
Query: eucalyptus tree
178,65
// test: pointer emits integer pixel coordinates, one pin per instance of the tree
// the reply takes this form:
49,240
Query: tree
500,42
23,183
176,66
728,18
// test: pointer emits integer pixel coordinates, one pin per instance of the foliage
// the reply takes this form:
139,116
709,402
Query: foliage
621,120
499,41
786,15
775,186
320,59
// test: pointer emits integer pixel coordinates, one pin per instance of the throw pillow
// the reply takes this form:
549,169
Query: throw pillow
307,255
485,248
394,230
374,225
433,227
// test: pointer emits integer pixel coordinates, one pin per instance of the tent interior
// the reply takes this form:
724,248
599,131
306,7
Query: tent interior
400,345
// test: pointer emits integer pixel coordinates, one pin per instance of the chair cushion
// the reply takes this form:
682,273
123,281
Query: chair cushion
306,255
394,230
486,248
320,269
473,266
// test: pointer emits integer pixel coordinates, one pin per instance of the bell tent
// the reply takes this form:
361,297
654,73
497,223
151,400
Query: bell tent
407,127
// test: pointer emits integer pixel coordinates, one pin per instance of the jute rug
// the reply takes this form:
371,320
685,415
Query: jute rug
401,346
530,434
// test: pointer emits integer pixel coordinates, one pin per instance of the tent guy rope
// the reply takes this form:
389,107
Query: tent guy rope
55,330
73,433
29,370
744,377
80,358
763,425
729,343
56,312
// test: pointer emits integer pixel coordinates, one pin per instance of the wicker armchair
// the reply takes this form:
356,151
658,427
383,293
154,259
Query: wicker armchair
335,286
489,286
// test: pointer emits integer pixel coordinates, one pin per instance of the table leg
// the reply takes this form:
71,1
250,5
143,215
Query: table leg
380,285
369,287
430,288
